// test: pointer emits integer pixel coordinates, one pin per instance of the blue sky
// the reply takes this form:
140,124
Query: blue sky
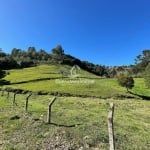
107,32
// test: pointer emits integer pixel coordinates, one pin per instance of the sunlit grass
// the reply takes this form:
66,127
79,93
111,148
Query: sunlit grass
131,121
89,115
140,87
86,84
40,72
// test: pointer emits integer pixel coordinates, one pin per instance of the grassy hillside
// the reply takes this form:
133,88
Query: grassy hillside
48,78
140,87
131,123
41,72
82,121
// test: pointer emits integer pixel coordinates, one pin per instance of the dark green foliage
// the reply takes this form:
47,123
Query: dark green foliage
147,75
26,63
59,57
125,80
2,54
31,57
42,55
57,54
7,62
142,61
2,74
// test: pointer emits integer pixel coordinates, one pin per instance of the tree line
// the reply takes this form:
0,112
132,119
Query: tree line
19,58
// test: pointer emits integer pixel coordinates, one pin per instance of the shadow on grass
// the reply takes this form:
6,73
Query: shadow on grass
141,96
54,78
61,125
35,80
4,82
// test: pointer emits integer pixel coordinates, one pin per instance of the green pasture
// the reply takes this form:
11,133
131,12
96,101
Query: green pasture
78,123
49,78
42,72
87,116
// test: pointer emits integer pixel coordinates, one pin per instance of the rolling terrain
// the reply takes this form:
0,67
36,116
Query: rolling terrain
48,78
79,119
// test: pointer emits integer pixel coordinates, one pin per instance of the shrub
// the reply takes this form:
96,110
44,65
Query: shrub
125,80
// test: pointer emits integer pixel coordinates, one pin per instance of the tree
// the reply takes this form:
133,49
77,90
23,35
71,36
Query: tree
7,63
126,81
42,55
147,75
112,72
32,52
2,75
144,57
58,54
142,61
2,54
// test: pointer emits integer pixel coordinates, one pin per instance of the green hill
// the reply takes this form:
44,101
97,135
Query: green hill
57,78
79,123
49,78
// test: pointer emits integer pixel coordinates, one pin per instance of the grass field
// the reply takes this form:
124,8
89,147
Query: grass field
82,121
131,123
48,78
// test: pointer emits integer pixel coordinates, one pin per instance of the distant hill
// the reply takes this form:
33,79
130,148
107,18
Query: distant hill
19,58
58,78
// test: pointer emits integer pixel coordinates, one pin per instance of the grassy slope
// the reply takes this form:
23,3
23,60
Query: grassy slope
100,87
132,121
140,87
40,72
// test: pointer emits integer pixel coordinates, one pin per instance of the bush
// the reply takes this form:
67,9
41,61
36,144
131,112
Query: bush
125,80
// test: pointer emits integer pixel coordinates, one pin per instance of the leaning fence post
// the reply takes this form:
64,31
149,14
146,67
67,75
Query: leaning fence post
27,100
49,110
110,127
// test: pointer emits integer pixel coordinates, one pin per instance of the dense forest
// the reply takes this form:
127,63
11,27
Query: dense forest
19,58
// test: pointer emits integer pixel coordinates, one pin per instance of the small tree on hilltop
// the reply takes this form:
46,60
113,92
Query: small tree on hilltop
126,81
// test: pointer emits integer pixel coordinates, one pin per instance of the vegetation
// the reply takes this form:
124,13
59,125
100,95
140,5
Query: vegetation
142,61
86,84
79,114
20,130
125,81
147,75
2,75
31,57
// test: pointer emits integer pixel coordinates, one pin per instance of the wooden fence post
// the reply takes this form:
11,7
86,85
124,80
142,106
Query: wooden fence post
14,99
8,94
49,110
27,100
110,127
2,92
